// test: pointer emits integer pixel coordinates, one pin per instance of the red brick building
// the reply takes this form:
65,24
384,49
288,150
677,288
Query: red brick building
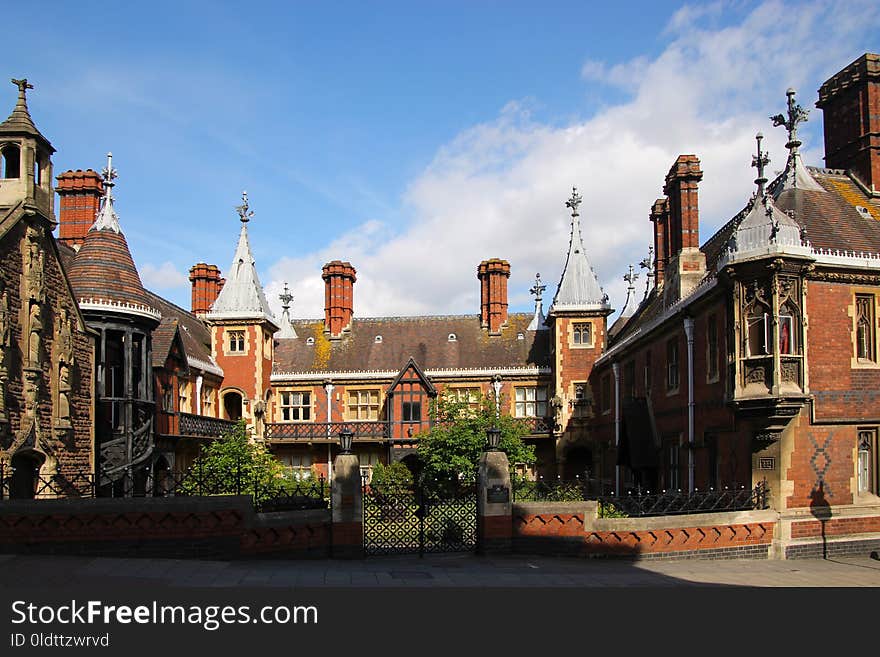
755,355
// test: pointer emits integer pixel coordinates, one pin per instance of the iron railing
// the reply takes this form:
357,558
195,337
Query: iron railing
641,503
324,430
537,425
284,493
200,425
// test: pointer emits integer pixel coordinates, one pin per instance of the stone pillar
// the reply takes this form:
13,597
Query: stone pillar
348,508
494,504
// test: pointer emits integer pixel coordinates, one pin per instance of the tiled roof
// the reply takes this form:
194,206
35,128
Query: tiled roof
425,339
103,270
194,334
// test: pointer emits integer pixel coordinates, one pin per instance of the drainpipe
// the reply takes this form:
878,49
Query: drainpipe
328,388
689,332
615,367
199,394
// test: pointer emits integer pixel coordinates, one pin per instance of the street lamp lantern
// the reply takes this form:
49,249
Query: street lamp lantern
345,439
493,437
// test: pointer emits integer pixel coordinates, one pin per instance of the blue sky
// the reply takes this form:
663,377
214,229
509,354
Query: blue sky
415,139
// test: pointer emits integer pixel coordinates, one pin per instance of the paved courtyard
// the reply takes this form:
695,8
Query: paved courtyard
447,570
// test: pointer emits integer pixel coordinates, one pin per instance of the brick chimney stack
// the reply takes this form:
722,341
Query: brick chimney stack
850,103
685,263
660,218
493,275
80,195
339,278
684,212
206,285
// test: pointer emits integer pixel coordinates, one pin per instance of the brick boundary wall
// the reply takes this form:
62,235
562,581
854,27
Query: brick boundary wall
217,527
574,529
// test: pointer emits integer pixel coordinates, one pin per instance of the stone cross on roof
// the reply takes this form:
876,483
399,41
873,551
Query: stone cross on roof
759,161
538,288
243,211
796,115
23,85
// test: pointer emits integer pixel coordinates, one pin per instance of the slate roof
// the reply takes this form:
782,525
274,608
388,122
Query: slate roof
195,336
424,339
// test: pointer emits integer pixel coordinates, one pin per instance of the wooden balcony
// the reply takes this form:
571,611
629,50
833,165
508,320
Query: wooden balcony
314,432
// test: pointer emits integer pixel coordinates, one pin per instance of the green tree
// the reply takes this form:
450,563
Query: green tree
234,464
454,443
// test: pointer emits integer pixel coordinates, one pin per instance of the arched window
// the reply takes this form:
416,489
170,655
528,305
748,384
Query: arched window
788,322
865,327
11,161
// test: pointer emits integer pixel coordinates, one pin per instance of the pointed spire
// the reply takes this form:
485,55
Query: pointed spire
648,263
538,322
242,296
287,330
579,287
795,175
19,121
107,219
630,306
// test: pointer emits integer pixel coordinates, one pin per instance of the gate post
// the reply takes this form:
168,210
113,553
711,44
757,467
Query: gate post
347,503
494,506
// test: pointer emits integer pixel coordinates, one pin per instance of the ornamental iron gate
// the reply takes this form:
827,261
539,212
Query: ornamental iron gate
428,517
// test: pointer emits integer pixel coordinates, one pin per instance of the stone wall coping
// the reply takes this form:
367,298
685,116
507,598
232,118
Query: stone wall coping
860,509
681,521
587,509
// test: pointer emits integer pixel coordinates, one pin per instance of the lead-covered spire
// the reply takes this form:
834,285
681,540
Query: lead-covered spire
242,296
630,306
539,322
287,330
107,219
579,287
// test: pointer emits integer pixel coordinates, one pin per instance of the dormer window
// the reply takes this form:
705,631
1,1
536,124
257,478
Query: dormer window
520,336
452,338
310,341
378,339
864,212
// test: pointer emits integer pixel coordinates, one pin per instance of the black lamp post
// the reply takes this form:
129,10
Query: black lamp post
345,438
493,437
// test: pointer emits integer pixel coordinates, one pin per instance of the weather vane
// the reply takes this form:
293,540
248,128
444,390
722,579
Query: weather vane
109,172
648,263
574,202
243,212
759,161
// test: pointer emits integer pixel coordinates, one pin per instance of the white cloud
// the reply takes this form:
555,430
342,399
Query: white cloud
498,189
163,277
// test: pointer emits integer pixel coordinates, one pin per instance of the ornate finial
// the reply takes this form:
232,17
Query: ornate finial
796,115
242,209
648,263
538,288
759,161
109,173
574,202
286,297
630,278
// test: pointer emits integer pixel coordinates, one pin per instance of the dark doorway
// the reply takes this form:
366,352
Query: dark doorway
25,475
232,403
578,463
